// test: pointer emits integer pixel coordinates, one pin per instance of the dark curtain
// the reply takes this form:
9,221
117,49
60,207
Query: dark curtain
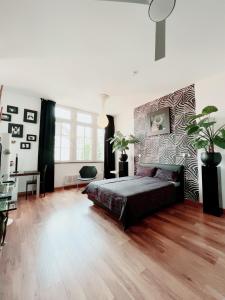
47,143
109,162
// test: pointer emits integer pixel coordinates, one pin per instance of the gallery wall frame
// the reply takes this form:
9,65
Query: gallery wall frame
30,116
31,137
6,117
12,109
25,145
16,130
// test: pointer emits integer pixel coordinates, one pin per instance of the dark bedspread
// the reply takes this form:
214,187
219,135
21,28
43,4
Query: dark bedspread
130,198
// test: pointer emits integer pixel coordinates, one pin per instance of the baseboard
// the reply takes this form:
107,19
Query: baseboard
80,185
21,194
71,186
57,189
197,204
193,203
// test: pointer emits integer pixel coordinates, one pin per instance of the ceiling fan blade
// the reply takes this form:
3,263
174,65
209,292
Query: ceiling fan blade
160,40
130,1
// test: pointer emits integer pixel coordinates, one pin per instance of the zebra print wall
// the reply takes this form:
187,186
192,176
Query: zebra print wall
173,148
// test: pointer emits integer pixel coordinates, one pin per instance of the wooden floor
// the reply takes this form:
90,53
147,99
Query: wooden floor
62,247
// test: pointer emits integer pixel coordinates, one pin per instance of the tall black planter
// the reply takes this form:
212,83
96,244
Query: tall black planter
123,168
211,159
123,157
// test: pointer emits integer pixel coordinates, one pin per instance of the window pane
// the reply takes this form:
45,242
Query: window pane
65,129
65,153
57,154
84,118
62,141
84,143
62,113
57,141
65,142
100,144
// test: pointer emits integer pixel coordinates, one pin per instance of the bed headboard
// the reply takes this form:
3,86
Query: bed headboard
175,168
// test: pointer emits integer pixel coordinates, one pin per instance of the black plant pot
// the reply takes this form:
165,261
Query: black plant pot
211,159
123,157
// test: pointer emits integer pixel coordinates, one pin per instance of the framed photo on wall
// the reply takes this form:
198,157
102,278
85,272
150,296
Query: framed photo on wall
30,116
25,146
12,109
159,122
31,137
6,117
16,130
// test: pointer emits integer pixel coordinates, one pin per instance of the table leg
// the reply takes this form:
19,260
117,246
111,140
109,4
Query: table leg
4,224
4,234
38,187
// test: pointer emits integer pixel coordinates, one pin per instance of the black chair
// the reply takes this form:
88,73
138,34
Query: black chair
34,182
87,174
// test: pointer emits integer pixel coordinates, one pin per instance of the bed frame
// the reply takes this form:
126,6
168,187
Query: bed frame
179,194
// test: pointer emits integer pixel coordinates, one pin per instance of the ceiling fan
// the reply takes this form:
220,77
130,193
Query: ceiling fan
159,11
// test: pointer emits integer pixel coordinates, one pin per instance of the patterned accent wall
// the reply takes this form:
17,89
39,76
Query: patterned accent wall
169,148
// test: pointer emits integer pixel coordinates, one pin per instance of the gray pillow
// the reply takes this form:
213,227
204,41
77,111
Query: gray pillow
167,175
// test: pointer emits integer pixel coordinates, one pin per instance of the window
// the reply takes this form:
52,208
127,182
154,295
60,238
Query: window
84,118
62,113
62,141
100,144
84,143
77,137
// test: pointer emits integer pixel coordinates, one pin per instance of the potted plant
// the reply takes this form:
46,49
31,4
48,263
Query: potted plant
121,142
206,136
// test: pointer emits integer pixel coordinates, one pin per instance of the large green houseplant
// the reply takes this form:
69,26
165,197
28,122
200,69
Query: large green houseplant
121,143
205,135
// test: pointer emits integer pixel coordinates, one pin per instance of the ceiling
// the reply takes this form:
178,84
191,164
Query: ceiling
72,50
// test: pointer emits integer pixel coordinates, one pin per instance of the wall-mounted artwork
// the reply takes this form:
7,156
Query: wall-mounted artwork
16,130
12,109
159,122
30,116
6,117
25,146
31,138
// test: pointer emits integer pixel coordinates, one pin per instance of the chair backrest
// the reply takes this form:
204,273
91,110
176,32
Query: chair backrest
88,172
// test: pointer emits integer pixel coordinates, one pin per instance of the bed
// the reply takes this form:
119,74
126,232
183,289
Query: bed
132,198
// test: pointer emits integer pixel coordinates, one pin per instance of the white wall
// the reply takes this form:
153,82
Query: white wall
66,173
211,91
124,122
27,159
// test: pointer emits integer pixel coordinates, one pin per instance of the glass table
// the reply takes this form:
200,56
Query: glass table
6,205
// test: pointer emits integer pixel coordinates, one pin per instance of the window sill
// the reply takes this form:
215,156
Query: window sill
79,162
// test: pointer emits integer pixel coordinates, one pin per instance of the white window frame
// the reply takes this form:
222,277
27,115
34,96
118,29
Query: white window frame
73,135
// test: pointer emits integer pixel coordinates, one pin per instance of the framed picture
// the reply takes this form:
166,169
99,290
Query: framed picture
6,117
12,109
25,146
30,116
159,122
16,130
31,138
